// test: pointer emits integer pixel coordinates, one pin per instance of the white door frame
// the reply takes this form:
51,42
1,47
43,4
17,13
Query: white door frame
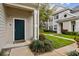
14,27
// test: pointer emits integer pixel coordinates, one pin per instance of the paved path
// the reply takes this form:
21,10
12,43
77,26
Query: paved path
61,51
59,37
21,51
25,51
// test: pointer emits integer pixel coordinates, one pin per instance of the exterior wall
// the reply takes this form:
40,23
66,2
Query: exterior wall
54,23
58,28
49,24
61,15
67,26
76,13
77,26
2,27
18,13
6,23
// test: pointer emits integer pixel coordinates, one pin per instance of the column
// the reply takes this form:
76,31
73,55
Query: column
58,28
48,24
38,23
35,25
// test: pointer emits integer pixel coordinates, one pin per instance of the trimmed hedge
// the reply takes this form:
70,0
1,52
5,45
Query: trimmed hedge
70,33
49,31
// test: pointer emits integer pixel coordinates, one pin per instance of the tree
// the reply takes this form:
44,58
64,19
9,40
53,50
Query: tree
44,13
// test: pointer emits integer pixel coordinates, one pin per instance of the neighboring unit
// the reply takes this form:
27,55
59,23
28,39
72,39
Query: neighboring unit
64,19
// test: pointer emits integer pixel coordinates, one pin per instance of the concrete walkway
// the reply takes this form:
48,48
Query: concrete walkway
60,37
21,51
61,51
25,51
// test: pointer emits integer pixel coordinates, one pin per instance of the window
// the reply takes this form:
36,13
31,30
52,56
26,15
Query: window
65,15
56,16
50,27
55,27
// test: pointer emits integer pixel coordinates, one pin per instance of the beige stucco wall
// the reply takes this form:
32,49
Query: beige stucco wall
18,13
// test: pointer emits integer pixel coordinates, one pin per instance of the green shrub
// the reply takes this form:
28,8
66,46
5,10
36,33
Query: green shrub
76,39
39,46
41,30
49,31
70,33
73,53
48,45
64,31
42,37
1,53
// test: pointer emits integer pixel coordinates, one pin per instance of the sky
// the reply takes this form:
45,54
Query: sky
70,5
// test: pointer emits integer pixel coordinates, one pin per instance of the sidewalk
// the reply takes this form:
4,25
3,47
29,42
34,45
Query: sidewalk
61,51
25,51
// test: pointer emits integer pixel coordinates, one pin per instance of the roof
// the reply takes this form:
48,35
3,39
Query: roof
61,11
65,8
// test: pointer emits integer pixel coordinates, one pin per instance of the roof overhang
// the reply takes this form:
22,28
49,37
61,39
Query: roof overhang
25,7
68,19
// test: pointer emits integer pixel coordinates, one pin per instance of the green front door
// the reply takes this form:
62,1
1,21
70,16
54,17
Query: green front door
19,29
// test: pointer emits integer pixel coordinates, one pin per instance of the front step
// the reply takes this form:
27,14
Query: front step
17,45
21,51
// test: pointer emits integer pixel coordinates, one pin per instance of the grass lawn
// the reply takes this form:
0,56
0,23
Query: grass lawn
58,42
62,35
66,36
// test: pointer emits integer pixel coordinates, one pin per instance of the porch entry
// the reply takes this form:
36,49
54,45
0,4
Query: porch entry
61,27
19,30
73,25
